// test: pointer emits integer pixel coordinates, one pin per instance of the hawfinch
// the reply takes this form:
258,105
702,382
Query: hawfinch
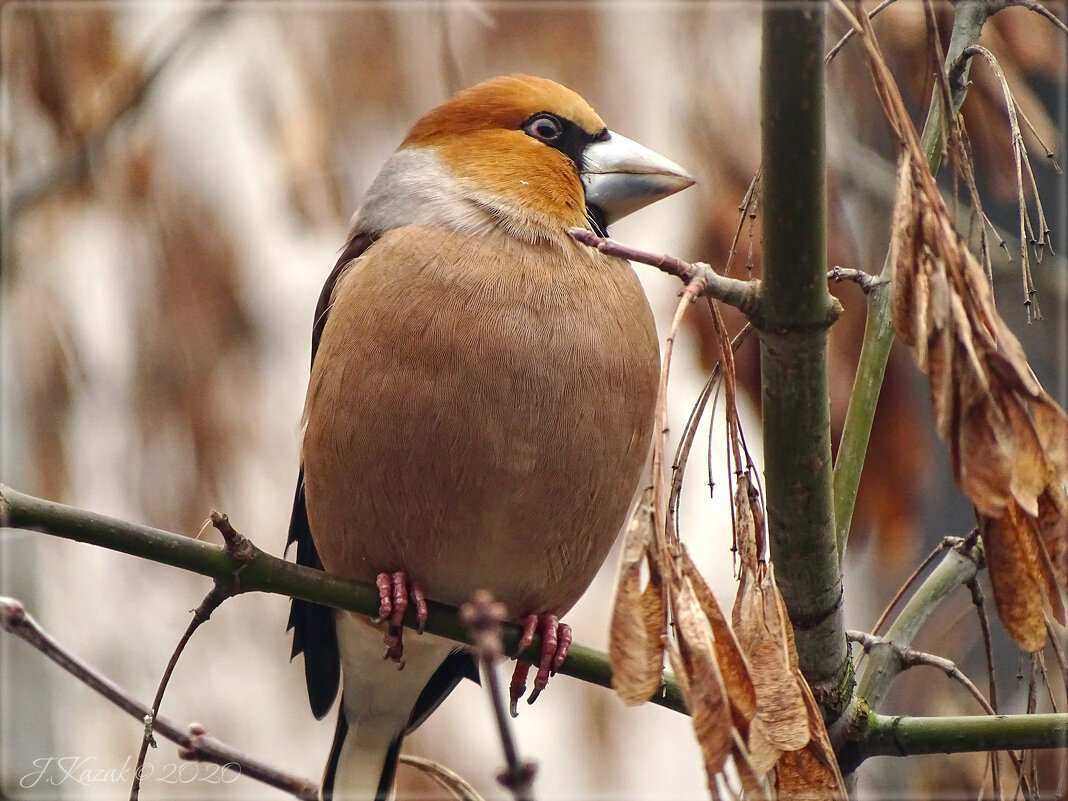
480,403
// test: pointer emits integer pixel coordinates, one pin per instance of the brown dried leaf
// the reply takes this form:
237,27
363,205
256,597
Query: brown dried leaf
907,293
811,772
744,525
762,754
1013,561
970,335
1052,531
729,657
1029,474
761,628
802,775
1007,438
707,702
636,645
706,696
1051,427
760,526
983,469
819,740
943,388
754,788
1009,362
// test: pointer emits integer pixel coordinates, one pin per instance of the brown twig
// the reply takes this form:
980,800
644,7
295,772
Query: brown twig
194,742
850,33
747,209
1032,707
483,617
661,505
909,657
1020,158
984,625
967,170
682,453
947,542
866,281
988,646
1058,651
241,548
1038,8
743,295
447,779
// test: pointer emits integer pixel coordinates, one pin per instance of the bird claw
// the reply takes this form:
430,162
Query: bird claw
555,642
395,592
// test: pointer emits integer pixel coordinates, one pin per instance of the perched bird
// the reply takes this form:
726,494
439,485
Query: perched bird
480,402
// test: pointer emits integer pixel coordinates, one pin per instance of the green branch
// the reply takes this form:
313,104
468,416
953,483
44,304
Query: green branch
957,568
906,736
875,734
267,573
797,310
969,16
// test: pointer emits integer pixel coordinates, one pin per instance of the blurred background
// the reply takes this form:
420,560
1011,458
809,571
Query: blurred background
176,183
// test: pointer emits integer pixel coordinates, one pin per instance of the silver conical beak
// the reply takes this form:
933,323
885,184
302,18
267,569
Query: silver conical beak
621,176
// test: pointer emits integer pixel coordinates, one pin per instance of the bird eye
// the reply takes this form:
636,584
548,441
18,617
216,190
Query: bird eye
544,127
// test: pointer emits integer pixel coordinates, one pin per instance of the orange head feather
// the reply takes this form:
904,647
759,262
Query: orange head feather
478,136
502,104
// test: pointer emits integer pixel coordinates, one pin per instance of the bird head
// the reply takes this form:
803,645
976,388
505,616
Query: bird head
517,152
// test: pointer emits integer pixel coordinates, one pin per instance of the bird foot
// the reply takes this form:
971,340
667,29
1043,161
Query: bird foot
395,592
555,642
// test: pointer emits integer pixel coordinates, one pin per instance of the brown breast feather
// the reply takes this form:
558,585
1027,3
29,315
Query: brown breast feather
478,415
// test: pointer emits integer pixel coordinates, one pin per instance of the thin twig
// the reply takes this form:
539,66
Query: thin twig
447,779
957,567
1020,157
1062,664
988,646
747,208
968,19
909,657
850,33
1032,707
243,550
1050,155
194,742
660,496
1045,681
1058,651
682,453
743,295
1038,8
947,542
943,93
967,169
483,616
866,281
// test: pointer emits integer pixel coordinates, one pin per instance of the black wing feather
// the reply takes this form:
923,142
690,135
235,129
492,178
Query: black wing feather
313,624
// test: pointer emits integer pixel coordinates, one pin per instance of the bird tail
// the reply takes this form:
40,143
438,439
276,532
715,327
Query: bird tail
360,768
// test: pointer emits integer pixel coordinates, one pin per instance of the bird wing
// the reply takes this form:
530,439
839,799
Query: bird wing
312,624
